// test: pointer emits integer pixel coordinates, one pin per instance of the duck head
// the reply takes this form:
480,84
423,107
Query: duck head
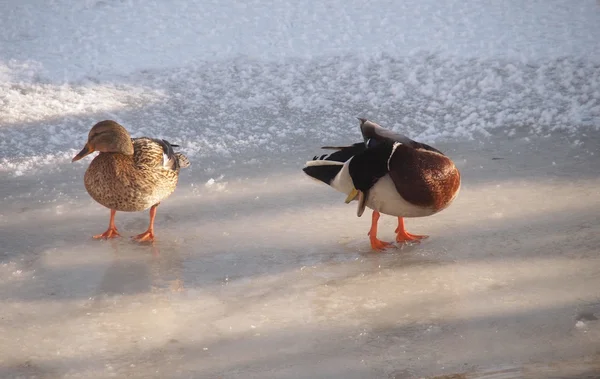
107,137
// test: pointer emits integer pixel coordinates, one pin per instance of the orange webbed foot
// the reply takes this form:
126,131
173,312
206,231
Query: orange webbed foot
147,236
376,244
110,233
407,237
379,245
403,236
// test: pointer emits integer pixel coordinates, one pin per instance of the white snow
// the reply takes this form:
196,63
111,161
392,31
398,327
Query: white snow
213,110
259,271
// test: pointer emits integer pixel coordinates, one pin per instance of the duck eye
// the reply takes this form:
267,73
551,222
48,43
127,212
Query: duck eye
95,135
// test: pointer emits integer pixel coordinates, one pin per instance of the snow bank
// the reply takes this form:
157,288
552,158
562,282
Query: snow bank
238,80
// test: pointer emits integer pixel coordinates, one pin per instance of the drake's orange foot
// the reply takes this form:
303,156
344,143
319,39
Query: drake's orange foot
376,244
404,236
147,236
110,233
379,245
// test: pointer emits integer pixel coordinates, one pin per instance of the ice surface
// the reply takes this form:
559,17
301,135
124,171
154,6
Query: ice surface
258,271
272,276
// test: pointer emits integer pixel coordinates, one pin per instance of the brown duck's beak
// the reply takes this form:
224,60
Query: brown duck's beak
87,149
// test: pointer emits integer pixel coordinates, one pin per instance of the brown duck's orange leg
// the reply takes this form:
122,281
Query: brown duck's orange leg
111,232
148,235
403,236
376,244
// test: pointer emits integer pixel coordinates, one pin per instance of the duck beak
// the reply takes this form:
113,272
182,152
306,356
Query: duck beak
87,149
362,200
362,203
352,195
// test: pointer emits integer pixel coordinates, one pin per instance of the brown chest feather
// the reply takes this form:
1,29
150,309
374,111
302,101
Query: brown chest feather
118,182
424,178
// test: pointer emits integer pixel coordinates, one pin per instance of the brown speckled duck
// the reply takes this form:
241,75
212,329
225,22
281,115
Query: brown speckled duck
129,174
391,174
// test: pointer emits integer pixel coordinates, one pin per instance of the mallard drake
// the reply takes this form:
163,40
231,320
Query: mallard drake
391,174
129,174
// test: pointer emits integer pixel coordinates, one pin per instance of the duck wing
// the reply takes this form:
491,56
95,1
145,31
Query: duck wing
374,134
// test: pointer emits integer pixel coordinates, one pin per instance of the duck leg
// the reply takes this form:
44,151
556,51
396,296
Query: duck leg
403,236
376,244
148,235
111,232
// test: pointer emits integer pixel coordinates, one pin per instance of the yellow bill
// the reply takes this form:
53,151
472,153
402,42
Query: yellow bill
352,195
